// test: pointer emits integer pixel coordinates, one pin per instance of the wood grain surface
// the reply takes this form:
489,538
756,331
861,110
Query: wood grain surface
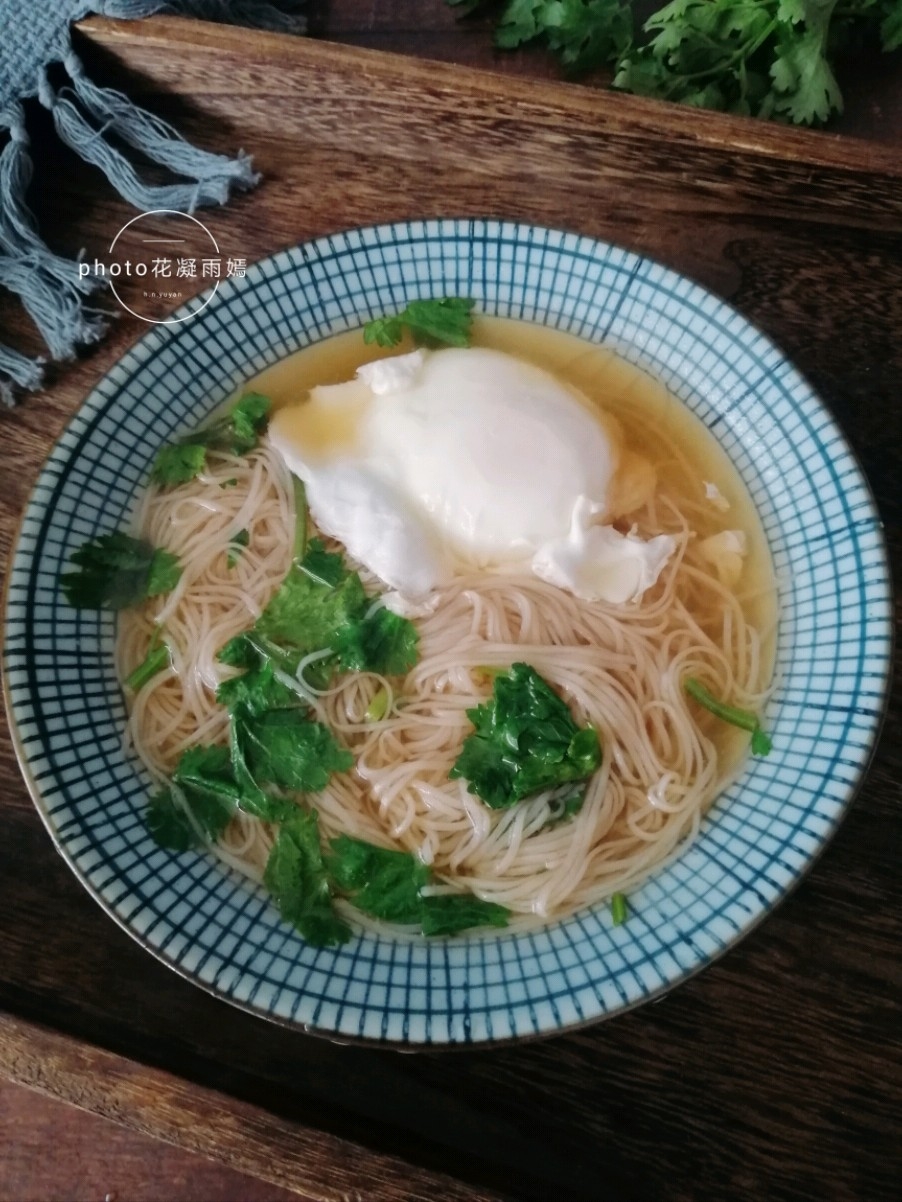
776,1073
56,1152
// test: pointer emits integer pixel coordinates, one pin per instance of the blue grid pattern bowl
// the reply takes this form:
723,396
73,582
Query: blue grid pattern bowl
833,651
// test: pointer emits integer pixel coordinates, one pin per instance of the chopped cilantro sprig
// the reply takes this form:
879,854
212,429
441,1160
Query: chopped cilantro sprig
296,877
744,719
199,803
384,883
525,741
322,605
236,434
444,322
116,571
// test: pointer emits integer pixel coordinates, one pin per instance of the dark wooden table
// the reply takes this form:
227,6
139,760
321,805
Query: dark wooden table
776,1073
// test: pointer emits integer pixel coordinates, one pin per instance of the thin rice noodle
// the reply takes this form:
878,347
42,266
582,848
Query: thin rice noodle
619,668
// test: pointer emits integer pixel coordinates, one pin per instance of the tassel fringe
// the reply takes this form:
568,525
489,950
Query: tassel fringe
86,117
85,127
286,18
49,287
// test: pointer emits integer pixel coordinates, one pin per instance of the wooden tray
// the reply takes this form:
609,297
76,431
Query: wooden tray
774,1074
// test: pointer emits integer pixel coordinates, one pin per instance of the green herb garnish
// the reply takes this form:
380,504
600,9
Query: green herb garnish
525,741
379,881
322,605
388,884
451,913
284,748
157,658
116,571
235,434
296,877
431,322
237,543
764,58
258,689
200,803
745,719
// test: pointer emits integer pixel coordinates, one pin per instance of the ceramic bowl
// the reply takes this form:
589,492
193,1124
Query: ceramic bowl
832,658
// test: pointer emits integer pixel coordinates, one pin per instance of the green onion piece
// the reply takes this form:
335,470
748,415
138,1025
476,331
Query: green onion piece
300,519
377,707
619,909
745,719
490,670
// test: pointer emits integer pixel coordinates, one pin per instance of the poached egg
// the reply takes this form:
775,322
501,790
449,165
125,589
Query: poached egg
435,463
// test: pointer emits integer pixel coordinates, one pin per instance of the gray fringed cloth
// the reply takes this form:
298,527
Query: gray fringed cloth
34,35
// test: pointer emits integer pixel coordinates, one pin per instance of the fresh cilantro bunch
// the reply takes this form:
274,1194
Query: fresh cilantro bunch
763,58
525,741
583,34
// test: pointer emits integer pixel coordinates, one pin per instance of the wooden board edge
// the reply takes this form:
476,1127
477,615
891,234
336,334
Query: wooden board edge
245,1137
610,111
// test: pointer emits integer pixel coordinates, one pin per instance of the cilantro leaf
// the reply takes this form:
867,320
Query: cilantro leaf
451,913
433,322
240,432
168,823
744,719
382,642
891,25
388,884
116,571
295,875
804,85
200,802
764,58
584,34
257,690
253,799
236,434
284,748
322,605
240,652
178,462
205,775
380,881
525,740
317,598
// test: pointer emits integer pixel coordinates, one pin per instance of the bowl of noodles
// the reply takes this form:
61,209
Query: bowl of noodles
456,632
